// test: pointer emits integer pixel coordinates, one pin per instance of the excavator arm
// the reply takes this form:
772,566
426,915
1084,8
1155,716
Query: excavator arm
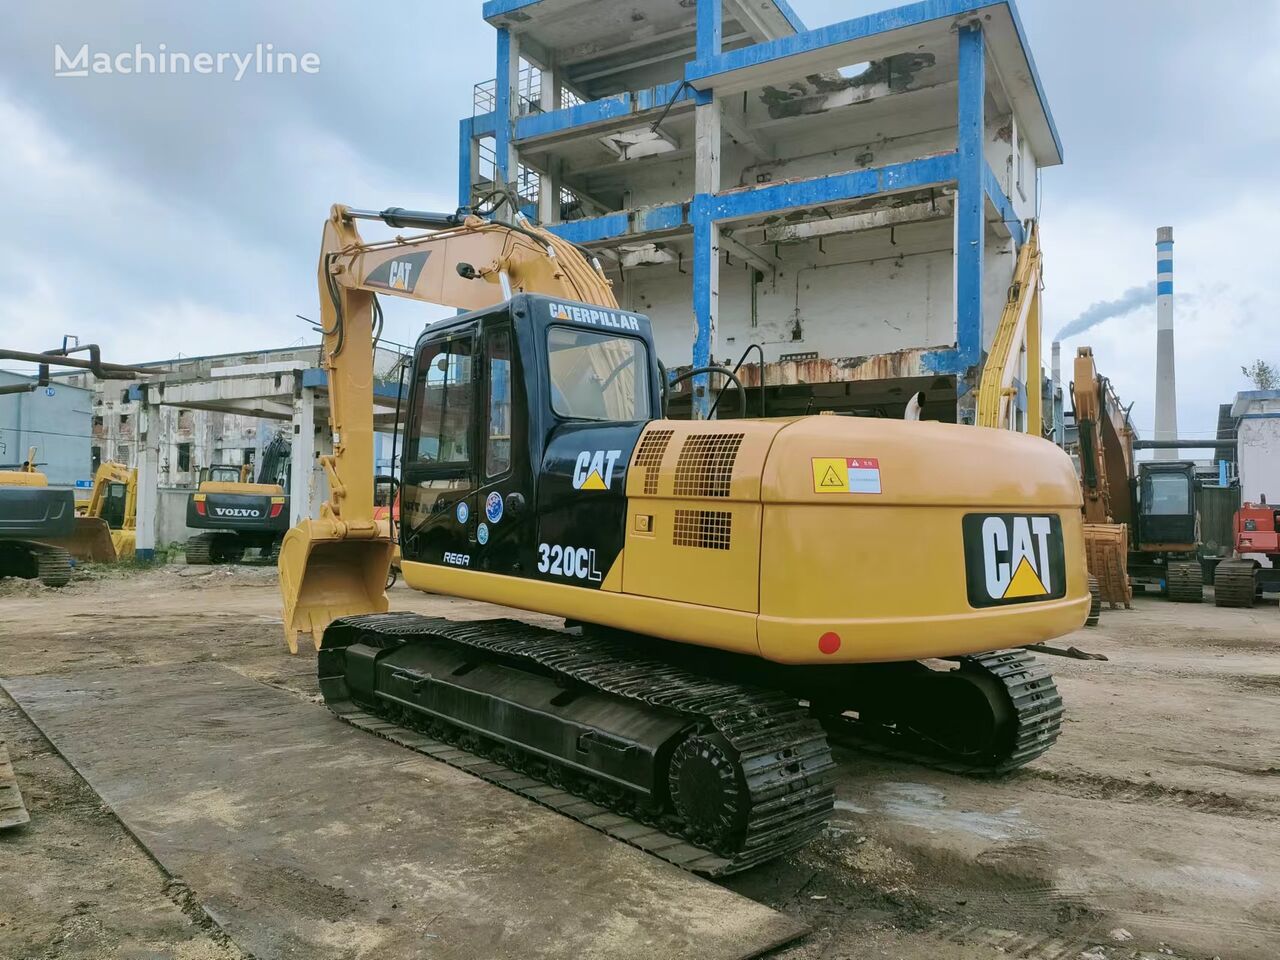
1106,464
337,565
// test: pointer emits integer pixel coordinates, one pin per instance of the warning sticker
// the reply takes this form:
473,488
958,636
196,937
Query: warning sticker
846,475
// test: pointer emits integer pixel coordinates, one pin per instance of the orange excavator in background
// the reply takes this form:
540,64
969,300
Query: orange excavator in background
1140,518
732,590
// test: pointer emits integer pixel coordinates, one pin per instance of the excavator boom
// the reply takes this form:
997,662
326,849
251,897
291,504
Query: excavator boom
337,565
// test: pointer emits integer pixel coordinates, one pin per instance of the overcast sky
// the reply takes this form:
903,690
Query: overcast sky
180,215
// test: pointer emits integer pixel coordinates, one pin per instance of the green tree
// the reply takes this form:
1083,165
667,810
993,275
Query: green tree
1263,375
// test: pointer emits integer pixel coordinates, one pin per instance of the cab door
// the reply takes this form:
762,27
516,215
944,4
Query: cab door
501,535
465,498
439,472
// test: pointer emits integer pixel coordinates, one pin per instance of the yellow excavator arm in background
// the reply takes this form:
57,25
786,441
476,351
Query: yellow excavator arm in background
1106,464
1019,325
466,262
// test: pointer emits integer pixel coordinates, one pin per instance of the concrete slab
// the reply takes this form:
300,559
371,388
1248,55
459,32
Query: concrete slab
303,837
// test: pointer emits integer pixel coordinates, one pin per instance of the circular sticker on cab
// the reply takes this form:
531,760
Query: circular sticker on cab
482,534
493,507
463,511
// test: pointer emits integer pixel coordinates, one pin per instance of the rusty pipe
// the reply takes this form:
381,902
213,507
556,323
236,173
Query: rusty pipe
62,358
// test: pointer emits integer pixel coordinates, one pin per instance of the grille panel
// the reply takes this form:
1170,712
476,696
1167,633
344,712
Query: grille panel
649,457
705,465
709,529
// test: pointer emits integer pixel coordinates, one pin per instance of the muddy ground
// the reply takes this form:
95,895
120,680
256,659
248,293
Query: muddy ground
1150,830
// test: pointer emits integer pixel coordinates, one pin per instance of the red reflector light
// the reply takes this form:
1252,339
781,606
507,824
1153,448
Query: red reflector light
275,510
829,643
200,507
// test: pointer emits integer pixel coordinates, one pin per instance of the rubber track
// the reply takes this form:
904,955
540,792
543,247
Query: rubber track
199,550
53,567
1095,603
1185,582
1032,694
782,751
1234,584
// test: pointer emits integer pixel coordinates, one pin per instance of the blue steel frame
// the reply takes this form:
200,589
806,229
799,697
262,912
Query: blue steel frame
966,167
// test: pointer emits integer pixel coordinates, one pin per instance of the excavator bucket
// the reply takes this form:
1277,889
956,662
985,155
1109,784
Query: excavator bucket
91,541
324,576
1107,552
12,810
126,543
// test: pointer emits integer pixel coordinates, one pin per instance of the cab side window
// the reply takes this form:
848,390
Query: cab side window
497,455
441,430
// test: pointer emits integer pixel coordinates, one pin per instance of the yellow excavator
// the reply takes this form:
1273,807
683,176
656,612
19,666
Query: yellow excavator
732,590
106,528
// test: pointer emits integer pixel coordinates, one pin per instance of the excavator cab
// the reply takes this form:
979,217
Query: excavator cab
1167,506
515,410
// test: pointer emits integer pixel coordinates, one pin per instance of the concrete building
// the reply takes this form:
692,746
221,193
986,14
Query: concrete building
1257,416
850,199
55,420
225,409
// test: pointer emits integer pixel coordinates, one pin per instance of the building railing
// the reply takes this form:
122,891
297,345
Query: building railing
484,95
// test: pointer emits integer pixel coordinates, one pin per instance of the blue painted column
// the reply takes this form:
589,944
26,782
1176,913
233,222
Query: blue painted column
710,28
502,109
970,215
706,263
466,175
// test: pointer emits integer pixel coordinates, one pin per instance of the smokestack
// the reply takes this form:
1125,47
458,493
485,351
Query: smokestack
1059,429
1166,388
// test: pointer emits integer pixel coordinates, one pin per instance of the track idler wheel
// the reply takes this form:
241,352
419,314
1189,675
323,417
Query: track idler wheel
708,792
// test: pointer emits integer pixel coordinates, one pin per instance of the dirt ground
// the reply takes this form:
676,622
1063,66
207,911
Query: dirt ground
1149,831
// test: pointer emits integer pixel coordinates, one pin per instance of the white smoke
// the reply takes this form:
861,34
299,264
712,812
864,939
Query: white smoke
1096,313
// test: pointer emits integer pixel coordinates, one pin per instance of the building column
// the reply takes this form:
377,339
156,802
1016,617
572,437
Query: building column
303,458
970,215
706,246
467,150
549,182
710,28
148,460
506,109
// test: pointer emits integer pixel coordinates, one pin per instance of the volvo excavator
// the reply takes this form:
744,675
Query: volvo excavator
234,514
732,590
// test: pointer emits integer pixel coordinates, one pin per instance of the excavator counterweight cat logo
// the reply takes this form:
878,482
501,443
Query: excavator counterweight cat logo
1013,558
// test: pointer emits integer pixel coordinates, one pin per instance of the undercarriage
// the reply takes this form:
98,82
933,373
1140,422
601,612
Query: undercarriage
694,756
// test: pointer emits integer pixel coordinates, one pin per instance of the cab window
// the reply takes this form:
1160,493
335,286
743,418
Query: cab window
1168,495
597,376
441,429
497,454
